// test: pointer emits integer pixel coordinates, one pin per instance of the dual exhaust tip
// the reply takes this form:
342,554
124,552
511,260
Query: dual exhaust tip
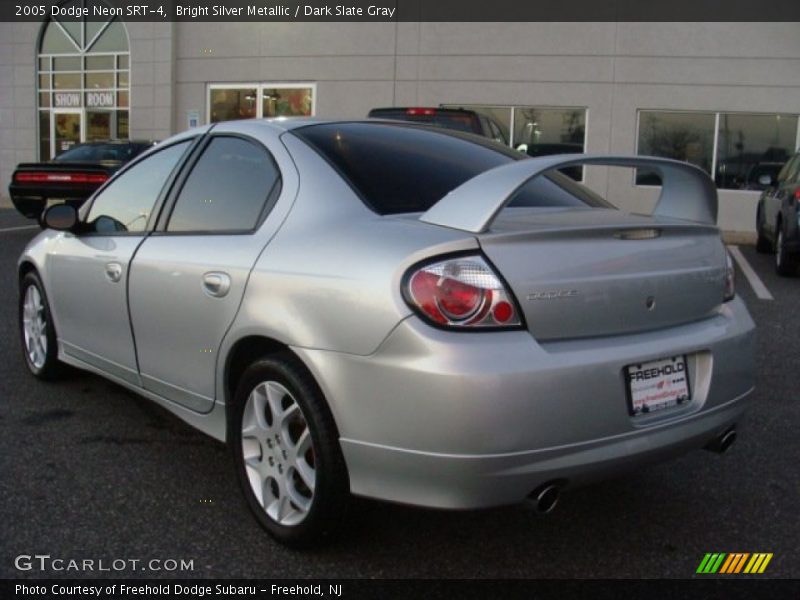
544,499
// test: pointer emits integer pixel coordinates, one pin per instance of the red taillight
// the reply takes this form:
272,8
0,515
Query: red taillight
797,194
503,312
426,112
461,292
41,177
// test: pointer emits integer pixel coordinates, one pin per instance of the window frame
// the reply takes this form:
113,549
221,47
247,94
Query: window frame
82,49
158,205
715,143
260,87
189,164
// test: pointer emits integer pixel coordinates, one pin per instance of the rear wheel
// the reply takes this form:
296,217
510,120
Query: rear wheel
762,243
785,263
37,333
286,450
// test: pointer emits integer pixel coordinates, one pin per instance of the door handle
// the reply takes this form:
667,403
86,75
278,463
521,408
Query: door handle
216,284
113,271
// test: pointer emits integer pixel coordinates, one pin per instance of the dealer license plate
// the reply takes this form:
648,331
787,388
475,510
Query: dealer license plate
657,385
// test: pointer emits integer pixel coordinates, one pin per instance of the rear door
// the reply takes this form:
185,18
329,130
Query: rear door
188,278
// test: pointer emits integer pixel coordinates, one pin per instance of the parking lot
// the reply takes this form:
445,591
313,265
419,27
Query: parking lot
92,471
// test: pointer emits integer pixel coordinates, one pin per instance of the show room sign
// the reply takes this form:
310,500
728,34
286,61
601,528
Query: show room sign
93,99
100,99
67,99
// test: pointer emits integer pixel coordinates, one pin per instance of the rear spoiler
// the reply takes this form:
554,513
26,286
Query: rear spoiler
687,192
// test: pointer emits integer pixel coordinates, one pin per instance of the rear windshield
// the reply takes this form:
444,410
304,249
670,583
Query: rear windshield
408,168
101,152
458,121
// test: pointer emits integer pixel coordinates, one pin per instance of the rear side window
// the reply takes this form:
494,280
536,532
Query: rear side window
405,168
229,189
402,168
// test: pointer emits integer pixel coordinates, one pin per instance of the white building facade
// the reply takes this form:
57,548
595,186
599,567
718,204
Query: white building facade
724,96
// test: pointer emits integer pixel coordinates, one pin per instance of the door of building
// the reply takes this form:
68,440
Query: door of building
66,130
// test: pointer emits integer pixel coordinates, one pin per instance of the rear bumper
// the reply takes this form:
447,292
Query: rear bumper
31,201
39,193
456,420
462,481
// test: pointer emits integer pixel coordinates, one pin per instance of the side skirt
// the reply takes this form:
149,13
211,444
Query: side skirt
211,423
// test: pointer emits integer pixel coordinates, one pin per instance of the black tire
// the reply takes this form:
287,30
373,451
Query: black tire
762,243
326,506
50,367
785,263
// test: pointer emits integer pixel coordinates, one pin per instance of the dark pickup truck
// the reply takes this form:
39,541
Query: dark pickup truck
460,119
71,176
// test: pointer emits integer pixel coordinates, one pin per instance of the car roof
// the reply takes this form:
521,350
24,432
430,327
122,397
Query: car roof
115,142
291,123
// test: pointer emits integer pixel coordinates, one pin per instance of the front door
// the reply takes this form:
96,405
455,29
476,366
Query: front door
89,272
67,126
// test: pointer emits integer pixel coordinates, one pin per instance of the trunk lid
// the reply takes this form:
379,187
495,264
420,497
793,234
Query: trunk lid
594,272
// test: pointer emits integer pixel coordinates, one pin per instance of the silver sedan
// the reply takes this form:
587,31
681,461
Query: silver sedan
397,312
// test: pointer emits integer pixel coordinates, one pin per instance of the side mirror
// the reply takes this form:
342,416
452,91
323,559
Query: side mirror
765,180
61,217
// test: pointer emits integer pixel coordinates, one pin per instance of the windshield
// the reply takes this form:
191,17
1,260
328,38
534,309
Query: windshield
101,152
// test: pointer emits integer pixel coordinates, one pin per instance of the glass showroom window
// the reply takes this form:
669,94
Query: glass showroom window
540,131
749,146
736,147
544,131
680,135
83,83
254,101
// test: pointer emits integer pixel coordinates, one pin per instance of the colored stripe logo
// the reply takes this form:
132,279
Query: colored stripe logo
734,563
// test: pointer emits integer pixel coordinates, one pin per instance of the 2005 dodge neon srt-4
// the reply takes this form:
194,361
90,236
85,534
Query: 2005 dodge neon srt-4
396,311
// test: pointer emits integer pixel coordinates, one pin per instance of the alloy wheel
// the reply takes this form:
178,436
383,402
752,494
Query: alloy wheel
278,453
34,327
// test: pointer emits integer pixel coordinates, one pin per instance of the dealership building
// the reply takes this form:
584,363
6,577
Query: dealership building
724,96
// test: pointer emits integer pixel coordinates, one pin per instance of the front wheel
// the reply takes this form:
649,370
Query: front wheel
37,333
286,451
785,263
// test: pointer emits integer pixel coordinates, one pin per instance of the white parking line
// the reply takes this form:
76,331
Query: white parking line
3,229
758,286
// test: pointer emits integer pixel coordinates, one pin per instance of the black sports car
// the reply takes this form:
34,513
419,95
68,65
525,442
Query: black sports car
71,176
